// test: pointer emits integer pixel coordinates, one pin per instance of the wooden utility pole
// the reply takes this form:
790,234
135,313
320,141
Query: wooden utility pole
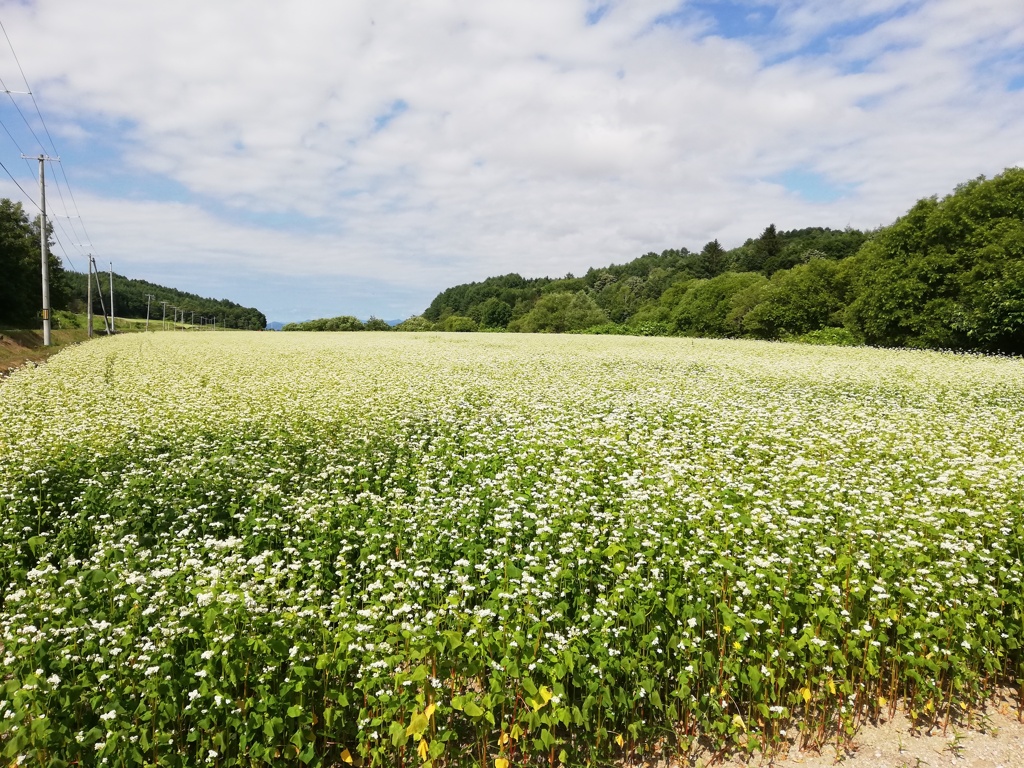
149,298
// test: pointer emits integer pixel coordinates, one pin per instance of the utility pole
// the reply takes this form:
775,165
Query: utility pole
88,301
43,246
99,290
112,328
149,298
163,323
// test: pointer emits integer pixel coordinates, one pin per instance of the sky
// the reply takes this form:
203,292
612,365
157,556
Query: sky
319,158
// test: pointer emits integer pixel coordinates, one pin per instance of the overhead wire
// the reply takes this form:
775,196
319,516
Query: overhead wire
78,241
26,194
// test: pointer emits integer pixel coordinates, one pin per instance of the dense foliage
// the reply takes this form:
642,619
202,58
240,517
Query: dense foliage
130,300
322,549
340,323
949,274
21,268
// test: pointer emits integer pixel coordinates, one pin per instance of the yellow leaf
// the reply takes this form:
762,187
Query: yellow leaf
882,701
500,762
417,725
503,739
543,697
806,693
831,687
346,756
737,722
516,732
421,750
429,710
619,740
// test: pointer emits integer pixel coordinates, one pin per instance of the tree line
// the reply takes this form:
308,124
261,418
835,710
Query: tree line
947,275
21,292
131,296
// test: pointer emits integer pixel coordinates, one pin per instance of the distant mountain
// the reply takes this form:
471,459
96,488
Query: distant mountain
275,326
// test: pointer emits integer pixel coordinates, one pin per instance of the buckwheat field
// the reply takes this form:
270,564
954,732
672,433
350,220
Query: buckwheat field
235,549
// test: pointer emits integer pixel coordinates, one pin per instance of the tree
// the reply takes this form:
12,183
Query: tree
806,298
561,312
495,313
20,269
415,323
459,324
761,255
703,310
948,273
711,261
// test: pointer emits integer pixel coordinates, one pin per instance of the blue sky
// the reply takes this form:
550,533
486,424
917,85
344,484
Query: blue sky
317,159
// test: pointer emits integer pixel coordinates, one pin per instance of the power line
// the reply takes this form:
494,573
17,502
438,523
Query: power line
29,89
26,194
67,183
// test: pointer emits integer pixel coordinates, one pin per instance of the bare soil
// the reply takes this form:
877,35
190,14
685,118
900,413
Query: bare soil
21,347
991,738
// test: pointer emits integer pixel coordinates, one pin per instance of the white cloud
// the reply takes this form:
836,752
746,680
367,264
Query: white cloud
440,141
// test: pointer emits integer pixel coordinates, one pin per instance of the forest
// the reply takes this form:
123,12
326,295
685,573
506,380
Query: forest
130,297
947,275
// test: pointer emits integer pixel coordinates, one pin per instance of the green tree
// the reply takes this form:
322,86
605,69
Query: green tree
947,274
415,323
459,324
495,313
705,307
712,260
806,298
561,312
20,271
761,255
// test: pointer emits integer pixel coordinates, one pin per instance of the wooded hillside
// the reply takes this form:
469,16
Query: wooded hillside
949,274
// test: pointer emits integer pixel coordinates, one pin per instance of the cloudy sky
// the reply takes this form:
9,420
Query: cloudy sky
323,157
